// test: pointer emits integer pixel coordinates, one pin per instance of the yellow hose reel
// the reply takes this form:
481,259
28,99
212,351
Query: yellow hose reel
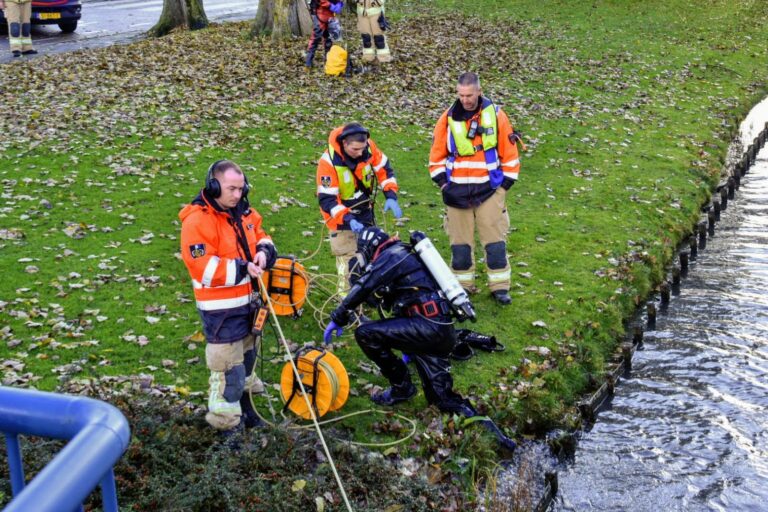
324,378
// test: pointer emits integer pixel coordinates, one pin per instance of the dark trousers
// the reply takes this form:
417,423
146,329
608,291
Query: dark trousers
319,33
427,341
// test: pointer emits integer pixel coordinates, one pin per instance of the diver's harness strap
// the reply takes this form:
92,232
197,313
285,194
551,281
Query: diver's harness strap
428,305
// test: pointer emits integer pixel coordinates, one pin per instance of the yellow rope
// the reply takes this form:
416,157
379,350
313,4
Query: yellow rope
306,398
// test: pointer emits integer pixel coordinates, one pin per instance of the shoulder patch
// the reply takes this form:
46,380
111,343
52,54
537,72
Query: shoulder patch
325,181
197,250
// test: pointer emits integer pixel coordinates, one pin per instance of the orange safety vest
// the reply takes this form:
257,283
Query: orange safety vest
472,170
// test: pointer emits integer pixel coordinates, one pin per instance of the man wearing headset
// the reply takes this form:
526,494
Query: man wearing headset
347,176
225,248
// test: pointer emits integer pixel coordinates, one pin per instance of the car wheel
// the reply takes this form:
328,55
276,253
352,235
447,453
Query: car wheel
68,26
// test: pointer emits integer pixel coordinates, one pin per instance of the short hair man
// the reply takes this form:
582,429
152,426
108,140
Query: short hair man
474,161
224,248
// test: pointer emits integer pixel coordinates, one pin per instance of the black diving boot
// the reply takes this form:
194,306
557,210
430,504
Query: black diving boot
395,394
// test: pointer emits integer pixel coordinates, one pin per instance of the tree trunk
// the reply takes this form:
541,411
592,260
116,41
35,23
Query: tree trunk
188,14
282,18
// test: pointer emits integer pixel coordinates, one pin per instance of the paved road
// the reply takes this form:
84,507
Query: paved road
107,22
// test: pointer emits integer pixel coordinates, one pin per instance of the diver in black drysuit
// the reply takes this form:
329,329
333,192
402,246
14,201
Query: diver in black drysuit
387,271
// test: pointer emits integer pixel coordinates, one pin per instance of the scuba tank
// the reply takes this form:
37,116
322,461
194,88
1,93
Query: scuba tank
439,270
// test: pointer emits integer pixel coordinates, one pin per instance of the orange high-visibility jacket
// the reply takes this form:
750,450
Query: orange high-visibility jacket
469,182
340,193
217,263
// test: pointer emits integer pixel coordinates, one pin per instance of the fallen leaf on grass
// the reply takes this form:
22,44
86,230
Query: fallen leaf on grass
75,230
11,234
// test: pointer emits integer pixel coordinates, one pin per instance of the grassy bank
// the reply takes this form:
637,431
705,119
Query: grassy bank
626,108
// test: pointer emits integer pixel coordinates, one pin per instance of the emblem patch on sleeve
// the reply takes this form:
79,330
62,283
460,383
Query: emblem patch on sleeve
197,250
325,181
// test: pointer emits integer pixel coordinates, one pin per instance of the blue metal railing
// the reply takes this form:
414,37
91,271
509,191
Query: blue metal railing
98,435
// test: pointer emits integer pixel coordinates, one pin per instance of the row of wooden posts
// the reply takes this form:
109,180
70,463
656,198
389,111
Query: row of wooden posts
695,242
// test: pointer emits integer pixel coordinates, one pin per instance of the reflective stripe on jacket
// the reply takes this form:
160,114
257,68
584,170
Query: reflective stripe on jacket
468,176
217,264
345,187
460,145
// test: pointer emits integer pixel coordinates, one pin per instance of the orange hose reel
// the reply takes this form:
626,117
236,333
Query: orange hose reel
324,378
287,285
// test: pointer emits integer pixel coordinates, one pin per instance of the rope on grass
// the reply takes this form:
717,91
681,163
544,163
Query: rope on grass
306,397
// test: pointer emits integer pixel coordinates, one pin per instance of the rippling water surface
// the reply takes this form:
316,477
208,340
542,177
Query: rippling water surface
688,430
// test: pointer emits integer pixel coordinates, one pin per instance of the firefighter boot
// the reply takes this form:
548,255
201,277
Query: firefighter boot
250,418
382,48
252,385
502,297
232,438
369,54
310,58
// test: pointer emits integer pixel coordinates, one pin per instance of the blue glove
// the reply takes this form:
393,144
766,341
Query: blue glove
355,226
406,358
336,8
328,334
391,204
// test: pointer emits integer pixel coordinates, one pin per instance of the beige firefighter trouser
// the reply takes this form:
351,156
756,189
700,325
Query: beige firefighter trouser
375,44
492,220
19,13
344,247
221,357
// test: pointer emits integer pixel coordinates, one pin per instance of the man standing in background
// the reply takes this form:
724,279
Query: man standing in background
372,24
18,13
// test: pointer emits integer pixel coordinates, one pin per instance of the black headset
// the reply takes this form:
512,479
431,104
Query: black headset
352,129
212,185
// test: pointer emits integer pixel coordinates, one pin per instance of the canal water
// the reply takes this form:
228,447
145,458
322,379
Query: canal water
688,429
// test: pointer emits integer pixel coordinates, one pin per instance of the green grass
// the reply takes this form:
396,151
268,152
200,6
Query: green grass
627,109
